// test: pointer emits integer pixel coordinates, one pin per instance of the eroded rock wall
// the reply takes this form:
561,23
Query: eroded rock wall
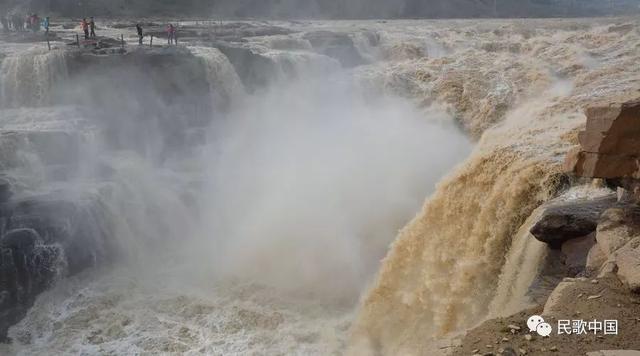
610,144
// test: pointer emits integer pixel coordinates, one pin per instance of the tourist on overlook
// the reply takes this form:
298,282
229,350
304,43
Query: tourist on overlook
92,25
140,34
85,28
171,32
35,23
45,24
175,35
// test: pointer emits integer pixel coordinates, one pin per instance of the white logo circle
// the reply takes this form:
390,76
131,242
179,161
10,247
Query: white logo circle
533,322
544,329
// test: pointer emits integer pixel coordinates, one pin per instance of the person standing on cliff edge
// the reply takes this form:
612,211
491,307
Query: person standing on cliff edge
92,25
175,35
170,33
85,28
140,34
45,24
35,23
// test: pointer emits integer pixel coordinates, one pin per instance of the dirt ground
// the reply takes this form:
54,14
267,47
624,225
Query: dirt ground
579,301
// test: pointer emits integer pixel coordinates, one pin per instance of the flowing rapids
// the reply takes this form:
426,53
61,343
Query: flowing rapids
455,259
27,79
241,198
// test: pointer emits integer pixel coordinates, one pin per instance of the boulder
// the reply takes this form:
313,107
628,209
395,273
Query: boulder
564,221
628,260
610,144
555,304
617,227
595,259
618,238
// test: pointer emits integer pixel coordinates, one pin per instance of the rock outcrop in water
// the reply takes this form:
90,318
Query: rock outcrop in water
565,221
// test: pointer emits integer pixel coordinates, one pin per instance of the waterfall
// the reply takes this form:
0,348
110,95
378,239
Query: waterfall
526,256
256,228
225,85
519,271
441,273
287,195
288,43
147,210
367,43
28,79
302,64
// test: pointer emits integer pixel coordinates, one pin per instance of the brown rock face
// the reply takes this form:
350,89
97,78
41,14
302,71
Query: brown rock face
610,145
618,237
628,261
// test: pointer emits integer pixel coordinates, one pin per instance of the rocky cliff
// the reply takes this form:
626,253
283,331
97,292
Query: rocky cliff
610,149
609,146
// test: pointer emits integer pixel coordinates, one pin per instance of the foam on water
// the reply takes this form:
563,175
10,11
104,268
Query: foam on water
117,312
